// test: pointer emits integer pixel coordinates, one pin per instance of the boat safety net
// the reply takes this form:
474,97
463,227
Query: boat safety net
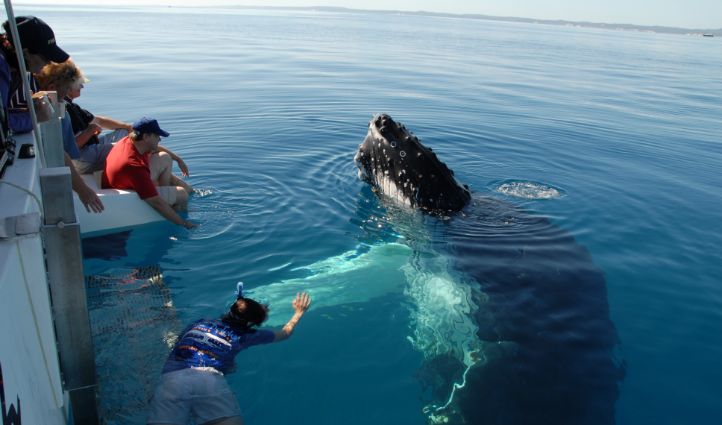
133,322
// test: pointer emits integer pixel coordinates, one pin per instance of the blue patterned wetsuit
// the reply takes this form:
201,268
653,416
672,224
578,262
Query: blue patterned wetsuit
212,343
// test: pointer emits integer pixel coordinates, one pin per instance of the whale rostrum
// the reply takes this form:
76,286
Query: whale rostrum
395,162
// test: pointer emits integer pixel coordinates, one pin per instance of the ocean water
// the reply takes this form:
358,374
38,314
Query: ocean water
615,137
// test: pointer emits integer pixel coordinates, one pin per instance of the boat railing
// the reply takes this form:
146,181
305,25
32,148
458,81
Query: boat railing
51,227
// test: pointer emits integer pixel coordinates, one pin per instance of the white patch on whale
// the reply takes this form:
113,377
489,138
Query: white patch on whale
441,299
389,189
443,307
351,277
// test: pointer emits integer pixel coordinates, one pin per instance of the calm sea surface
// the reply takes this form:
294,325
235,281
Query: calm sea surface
267,107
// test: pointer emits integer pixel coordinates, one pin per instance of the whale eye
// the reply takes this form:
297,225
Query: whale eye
402,153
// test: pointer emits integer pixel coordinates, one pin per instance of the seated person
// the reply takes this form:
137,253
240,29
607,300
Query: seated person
130,166
68,80
62,78
88,127
87,196
39,49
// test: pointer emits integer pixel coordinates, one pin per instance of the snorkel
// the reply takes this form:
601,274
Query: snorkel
239,290
245,312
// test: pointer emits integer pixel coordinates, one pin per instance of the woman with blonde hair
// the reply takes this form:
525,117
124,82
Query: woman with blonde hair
68,80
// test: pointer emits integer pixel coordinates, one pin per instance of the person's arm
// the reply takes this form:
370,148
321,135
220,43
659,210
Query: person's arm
166,211
300,305
111,123
181,164
19,121
87,195
83,137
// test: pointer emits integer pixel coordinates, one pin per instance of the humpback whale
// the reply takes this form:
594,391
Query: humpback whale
538,344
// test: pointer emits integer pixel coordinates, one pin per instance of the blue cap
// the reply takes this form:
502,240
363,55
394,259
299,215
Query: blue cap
149,125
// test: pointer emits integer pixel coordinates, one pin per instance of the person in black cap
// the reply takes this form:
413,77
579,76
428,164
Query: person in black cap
39,49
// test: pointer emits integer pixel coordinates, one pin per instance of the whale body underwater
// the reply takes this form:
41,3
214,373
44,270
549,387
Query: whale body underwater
545,348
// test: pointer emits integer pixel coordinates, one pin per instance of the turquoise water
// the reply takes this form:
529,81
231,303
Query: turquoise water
614,136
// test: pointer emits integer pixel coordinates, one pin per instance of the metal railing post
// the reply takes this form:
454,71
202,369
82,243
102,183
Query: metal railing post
51,133
61,234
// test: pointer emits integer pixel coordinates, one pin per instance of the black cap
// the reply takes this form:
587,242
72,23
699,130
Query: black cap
38,38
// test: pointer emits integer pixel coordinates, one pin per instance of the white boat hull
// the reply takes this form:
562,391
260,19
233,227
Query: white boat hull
123,210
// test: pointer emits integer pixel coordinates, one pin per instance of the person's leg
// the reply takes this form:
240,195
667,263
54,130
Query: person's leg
161,171
181,198
113,136
235,420
175,196
83,167
161,167
177,181
171,403
214,402
92,158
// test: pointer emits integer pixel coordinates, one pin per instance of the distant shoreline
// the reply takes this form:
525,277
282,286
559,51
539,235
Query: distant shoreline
585,24
706,32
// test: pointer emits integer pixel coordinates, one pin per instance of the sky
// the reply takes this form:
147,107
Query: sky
698,14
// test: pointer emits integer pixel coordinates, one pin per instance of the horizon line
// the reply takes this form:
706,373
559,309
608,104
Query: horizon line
397,11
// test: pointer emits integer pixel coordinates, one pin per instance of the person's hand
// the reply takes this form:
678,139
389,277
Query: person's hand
95,129
188,224
90,200
301,302
43,108
183,167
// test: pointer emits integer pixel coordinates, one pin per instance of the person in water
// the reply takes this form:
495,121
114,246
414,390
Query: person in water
192,383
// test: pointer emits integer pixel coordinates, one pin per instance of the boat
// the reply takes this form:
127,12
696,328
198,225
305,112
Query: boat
30,369
707,35
123,210
47,364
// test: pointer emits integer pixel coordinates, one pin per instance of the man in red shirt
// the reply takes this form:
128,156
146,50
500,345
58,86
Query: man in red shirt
129,167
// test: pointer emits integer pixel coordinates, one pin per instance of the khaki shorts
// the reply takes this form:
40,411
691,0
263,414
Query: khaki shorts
199,393
168,193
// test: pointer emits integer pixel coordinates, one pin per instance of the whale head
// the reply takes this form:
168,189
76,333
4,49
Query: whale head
399,167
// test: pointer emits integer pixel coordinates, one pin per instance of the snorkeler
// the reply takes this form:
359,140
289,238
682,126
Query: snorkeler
192,382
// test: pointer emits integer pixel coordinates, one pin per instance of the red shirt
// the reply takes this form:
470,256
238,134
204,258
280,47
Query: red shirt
126,168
